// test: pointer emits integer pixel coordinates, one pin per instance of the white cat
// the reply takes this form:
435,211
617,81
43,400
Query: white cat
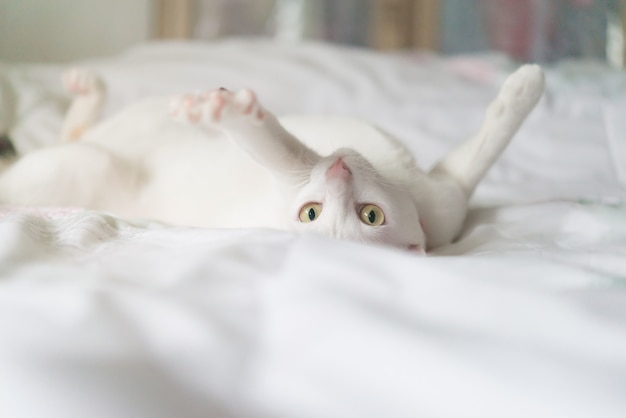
221,160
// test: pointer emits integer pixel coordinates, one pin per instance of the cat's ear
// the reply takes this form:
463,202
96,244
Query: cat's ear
417,250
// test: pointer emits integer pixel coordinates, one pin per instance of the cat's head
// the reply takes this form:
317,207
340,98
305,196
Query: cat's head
346,198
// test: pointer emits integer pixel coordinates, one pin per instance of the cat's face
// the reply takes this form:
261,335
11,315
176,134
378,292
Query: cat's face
346,198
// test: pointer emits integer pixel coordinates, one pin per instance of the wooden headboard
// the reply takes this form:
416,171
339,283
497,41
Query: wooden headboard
405,24
395,23
174,19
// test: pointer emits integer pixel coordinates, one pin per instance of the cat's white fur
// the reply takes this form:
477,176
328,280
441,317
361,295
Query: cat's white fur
221,160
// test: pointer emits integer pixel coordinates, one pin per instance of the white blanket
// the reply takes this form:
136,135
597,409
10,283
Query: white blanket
525,316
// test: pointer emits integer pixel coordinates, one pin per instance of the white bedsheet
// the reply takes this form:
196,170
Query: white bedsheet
524,316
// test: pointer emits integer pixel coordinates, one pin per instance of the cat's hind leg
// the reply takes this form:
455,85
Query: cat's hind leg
255,130
468,163
80,174
89,92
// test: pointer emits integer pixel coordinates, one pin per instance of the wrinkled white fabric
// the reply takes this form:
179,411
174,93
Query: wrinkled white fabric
524,316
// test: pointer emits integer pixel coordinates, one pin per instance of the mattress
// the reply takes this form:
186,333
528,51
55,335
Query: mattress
525,315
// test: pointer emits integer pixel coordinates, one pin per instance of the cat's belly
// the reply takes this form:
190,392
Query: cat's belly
211,185
187,175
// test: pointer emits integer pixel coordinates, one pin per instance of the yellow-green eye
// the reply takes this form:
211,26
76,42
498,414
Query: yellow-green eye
310,212
372,215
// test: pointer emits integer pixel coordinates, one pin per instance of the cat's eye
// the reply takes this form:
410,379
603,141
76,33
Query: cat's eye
372,215
310,212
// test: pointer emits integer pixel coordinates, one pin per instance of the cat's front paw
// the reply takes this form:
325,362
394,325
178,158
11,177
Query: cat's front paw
218,106
81,81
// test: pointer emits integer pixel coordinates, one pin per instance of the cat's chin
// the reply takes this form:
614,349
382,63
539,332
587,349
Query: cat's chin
417,249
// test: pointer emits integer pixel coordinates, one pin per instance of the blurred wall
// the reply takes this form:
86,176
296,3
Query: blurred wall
538,30
62,30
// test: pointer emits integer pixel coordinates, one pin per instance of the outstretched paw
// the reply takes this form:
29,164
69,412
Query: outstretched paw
82,82
218,106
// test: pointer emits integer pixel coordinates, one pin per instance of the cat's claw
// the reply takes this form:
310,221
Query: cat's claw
81,81
217,106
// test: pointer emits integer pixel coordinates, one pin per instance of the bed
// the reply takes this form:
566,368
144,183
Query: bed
524,315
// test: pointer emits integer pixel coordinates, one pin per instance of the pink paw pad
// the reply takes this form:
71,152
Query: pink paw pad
246,103
185,107
81,81
217,106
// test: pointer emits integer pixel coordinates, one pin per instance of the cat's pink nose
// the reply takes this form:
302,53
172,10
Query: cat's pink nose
339,169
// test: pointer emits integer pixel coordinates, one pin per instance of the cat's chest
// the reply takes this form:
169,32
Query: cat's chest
212,183
189,175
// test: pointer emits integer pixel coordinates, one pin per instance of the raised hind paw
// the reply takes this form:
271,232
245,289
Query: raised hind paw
521,90
218,106
81,81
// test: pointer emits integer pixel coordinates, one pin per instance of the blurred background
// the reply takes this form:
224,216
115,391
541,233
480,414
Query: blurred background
527,30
